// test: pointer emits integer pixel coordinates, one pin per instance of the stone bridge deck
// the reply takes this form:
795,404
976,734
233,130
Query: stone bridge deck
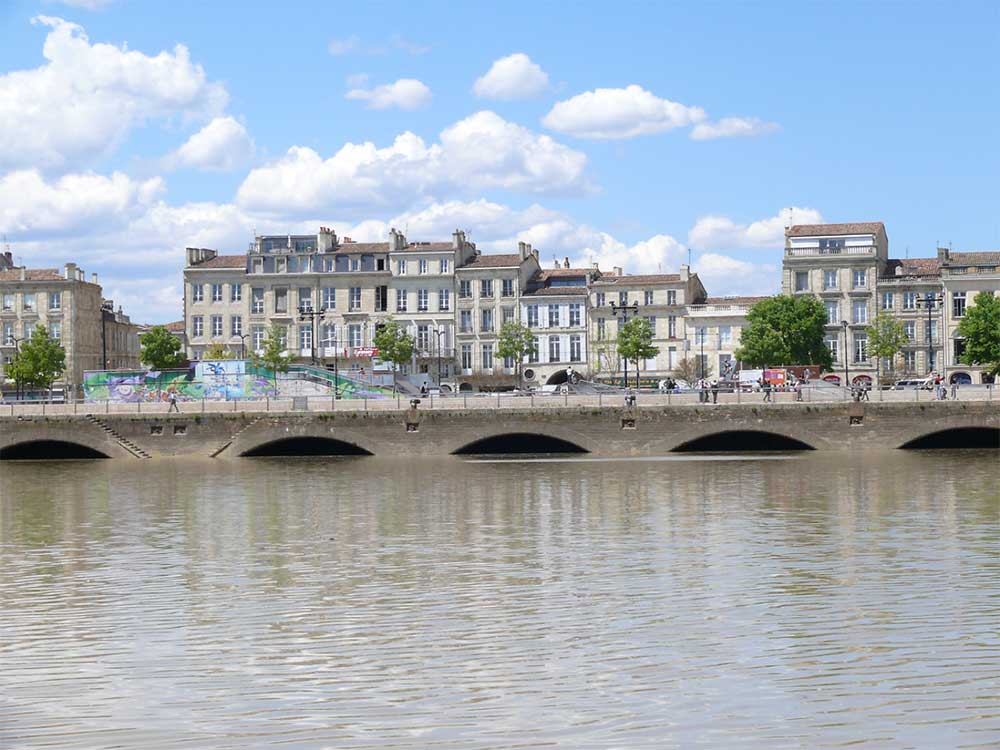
608,431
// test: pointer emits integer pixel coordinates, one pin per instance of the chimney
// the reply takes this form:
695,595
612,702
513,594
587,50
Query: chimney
397,240
555,263
325,240
596,266
24,273
457,239
533,252
617,271
942,254
196,255
685,272
565,262
6,261
522,250
93,278
69,271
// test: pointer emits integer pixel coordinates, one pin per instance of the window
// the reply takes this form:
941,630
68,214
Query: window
958,304
647,297
355,264
651,322
725,335
8,334
508,363
354,335
507,314
55,300
672,326
216,325
507,288
422,266
933,331
959,350
623,298
860,278
910,326
830,279
354,303
197,292
532,316
487,356
197,326
257,301
423,300
444,300
486,288
575,348
8,302
486,321
305,299
830,247
553,316
235,292
909,300
444,265
55,330
381,298
600,301
329,298
465,321
832,313
236,325
29,330
306,336
535,348
575,314
30,302
801,281
257,265
833,344
400,300
216,292
401,267
910,361
600,329
465,289
280,265
671,297
860,348
423,340
258,333
467,357
888,300
932,365
281,300
859,311
554,349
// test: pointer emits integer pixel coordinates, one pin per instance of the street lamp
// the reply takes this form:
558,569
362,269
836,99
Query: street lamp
17,380
847,377
438,332
929,301
624,311
243,342
701,361
106,307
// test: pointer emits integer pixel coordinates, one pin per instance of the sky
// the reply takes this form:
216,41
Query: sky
627,134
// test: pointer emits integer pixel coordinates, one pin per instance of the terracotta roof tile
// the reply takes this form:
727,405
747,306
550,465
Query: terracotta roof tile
416,247
353,248
974,259
661,278
224,261
733,300
822,230
559,291
912,267
493,261
175,326
32,274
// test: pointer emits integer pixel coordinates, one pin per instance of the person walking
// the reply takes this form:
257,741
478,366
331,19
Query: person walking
798,390
954,390
715,391
766,385
172,398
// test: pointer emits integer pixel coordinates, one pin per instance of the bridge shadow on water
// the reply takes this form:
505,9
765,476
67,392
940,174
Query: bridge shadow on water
958,438
517,443
742,441
48,450
306,446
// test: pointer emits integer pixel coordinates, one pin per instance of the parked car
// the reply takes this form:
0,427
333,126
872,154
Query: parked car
924,384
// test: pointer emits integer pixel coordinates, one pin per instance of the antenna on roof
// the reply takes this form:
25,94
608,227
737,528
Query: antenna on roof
689,257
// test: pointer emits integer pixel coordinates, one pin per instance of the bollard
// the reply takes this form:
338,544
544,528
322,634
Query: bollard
107,407
267,403
202,404
465,401
234,404
600,400
43,408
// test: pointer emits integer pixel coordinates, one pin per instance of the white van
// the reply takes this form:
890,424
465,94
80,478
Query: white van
920,384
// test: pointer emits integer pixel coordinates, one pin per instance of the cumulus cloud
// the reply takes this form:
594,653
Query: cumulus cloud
724,275
619,113
512,77
352,44
715,232
729,127
482,151
344,46
406,93
220,146
87,97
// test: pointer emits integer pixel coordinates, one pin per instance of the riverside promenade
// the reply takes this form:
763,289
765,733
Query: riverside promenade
603,426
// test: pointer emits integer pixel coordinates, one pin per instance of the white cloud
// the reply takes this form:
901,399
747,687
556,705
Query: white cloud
220,146
406,93
729,127
344,46
352,44
619,113
87,4
483,151
357,80
724,275
715,232
512,77
86,99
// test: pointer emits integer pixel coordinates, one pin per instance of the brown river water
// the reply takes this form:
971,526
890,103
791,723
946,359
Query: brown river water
781,601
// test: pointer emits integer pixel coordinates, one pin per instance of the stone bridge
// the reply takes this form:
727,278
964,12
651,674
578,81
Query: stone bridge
602,432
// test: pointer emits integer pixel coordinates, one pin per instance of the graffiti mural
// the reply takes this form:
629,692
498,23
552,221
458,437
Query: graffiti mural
211,383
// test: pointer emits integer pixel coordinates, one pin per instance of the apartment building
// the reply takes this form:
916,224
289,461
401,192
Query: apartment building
93,334
714,329
662,299
963,276
903,290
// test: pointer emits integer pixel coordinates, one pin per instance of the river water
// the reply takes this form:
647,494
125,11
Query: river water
794,600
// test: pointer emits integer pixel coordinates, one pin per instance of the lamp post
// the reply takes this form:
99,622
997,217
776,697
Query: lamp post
105,309
17,380
847,376
624,311
701,360
311,315
243,344
929,301
438,332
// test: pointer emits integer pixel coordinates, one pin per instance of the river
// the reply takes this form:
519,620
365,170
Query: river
811,600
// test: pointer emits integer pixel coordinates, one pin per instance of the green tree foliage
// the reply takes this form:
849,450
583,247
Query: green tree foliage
689,370
160,350
217,351
635,342
981,330
38,361
886,337
273,356
785,330
394,345
515,341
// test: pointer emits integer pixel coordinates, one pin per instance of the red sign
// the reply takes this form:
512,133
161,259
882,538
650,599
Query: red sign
366,351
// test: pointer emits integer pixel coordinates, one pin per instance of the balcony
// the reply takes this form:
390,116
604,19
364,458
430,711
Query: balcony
797,252
705,311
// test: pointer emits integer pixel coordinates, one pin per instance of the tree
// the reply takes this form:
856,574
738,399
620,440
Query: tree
217,351
886,337
785,330
689,370
394,345
980,327
273,355
515,341
161,350
635,342
38,361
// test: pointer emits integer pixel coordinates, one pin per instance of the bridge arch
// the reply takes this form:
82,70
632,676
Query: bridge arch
741,441
509,443
305,445
956,437
49,450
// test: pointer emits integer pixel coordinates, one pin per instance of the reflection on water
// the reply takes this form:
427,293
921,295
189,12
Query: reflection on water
790,601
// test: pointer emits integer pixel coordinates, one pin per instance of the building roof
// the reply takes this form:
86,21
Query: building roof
660,278
32,274
176,326
417,247
912,267
493,261
988,258
733,300
539,284
362,247
822,230
548,291
224,261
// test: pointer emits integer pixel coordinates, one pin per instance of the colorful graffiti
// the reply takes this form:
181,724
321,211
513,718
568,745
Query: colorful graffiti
206,381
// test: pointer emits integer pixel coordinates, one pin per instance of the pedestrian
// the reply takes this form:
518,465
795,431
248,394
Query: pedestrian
798,390
954,390
767,389
864,392
172,398
715,391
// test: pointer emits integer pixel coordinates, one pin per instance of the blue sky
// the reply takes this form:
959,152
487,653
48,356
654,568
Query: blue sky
623,134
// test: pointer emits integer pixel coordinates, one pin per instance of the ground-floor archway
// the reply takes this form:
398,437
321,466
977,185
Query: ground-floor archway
960,378
742,441
306,446
955,438
49,450
513,443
